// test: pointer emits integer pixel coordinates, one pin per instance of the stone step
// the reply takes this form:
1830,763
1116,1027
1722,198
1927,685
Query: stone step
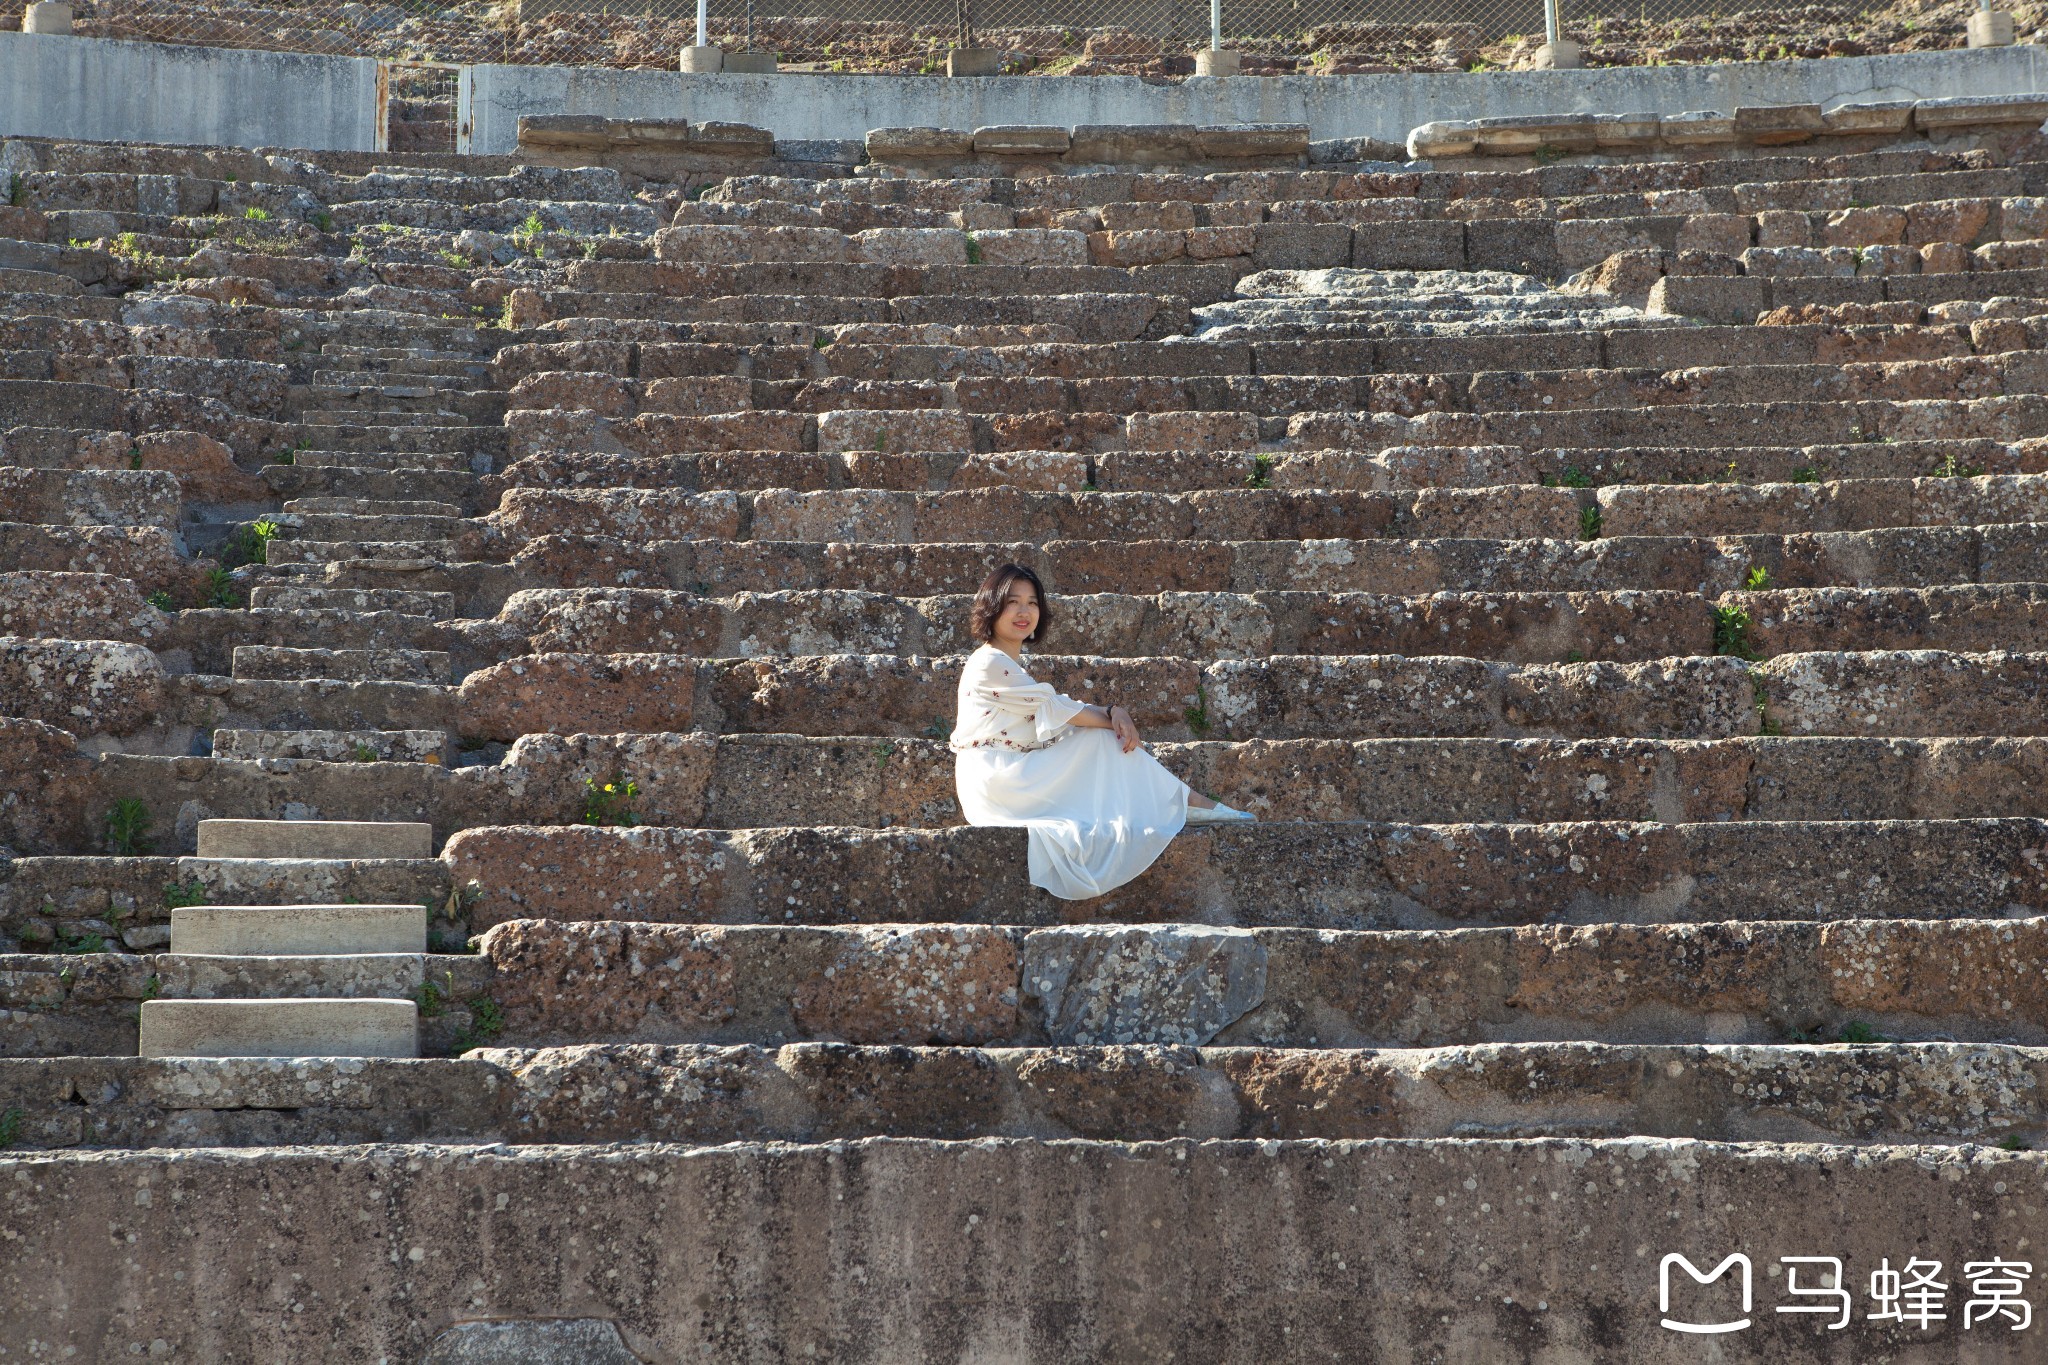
1322,876
1890,557
1520,1248
326,840
1188,471
431,420
454,487
306,1027
337,746
331,505
437,461
812,1093
370,526
882,516
1517,627
276,931
741,782
434,606
287,551
446,438
1191,985
1905,693
280,663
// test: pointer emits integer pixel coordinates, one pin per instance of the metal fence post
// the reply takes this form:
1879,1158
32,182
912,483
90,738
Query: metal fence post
703,23
1215,24
1550,33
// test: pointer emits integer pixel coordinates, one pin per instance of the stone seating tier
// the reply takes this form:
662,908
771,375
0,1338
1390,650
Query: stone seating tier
511,614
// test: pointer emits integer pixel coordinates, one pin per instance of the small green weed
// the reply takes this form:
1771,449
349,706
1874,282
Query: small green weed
1952,468
322,220
454,258
1856,1031
973,250
363,753
11,1120
153,987
285,457
80,941
432,999
610,803
17,190
1757,579
487,1021
1760,697
135,457
1262,472
590,250
1589,522
529,231
1731,633
1806,473
256,215
248,545
178,895
221,589
1573,477
128,822
883,752
1575,656
1197,716
2013,1142
938,729
161,601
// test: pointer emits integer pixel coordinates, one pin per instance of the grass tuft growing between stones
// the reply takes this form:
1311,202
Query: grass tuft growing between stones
128,822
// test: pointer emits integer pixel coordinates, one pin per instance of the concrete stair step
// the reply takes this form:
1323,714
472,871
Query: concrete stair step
327,840
811,1093
280,663
1303,875
297,930
308,1027
337,746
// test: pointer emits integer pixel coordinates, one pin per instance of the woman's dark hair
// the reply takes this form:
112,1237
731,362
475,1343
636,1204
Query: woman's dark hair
988,603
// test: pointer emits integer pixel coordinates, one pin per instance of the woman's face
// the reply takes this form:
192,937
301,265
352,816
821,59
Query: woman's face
1018,619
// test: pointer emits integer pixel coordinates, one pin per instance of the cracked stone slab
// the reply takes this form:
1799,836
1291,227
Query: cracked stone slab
559,1341
1157,984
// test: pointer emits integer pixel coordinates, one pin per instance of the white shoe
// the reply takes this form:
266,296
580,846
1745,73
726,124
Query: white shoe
1218,814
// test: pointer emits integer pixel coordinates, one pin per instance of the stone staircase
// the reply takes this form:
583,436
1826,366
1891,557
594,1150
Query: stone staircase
1623,611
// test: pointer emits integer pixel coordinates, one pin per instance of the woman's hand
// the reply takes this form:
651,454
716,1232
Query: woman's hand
1125,729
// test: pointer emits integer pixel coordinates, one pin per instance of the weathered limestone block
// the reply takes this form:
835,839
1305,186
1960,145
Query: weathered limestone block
895,144
895,431
76,606
1032,246
91,497
914,984
911,246
1020,139
89,687
48,787
1904,692
638,513
602,980
1191,431
711,244
574,693
576,390
1173,984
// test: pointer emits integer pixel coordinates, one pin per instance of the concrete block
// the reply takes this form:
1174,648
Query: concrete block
280,1028
1624,130
1216,61
974,61
1527,246
701,60
1447,137
54,17
564,130
297,930
1252,139
1989,28
330,839
1562,55
749,63
1302,246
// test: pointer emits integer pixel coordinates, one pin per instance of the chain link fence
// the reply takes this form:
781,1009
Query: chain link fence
1038,37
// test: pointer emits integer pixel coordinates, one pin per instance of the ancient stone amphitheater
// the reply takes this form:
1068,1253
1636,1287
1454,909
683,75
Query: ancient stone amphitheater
482,876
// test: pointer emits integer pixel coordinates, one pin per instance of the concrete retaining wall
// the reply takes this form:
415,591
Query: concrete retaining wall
831,106
96,89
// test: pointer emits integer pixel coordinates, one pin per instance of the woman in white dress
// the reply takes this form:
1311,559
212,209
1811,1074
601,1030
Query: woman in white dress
1098,807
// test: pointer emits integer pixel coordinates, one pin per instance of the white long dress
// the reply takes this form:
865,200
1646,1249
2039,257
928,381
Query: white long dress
1096,815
